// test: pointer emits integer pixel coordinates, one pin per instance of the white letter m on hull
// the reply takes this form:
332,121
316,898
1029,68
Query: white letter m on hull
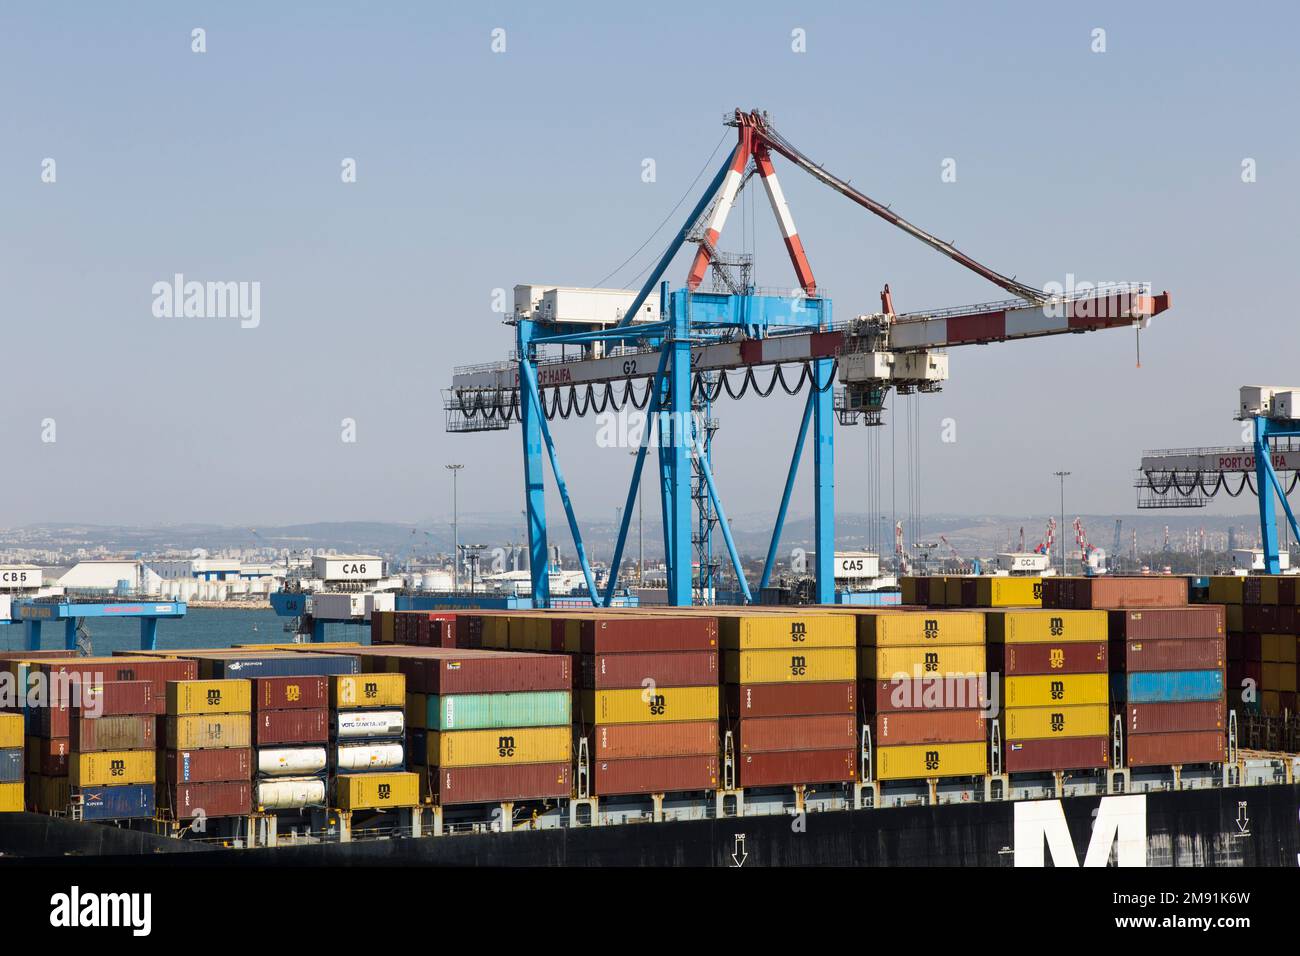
1120,821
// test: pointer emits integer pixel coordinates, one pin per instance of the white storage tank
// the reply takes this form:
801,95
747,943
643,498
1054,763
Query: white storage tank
369,757
371,723
291,761
291,794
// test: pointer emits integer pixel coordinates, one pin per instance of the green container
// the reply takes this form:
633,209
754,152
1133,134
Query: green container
550,708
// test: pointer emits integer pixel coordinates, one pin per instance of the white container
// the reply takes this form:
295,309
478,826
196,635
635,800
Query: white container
347,567
291,761
369,757
290,794
568,304
371,723
337,606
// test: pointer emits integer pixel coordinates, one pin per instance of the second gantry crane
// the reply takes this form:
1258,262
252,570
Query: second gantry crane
688,347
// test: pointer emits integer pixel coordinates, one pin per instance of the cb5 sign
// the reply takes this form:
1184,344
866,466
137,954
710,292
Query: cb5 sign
20,577
1121,822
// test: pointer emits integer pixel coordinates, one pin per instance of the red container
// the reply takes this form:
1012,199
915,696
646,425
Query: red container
1180,716
207,766
1152,750
434,630
1194,654
767,734
1245,647
1238,672
469,630
274,727
111,699
792,767
123,732
1066,753
791,700
157,671
628,634
1115,592
1252,590
685,739
1067,658
926,694
1265,619
655,775
530,781
685,669
1199,620
228,799
929,727
495,672
51,755
290,693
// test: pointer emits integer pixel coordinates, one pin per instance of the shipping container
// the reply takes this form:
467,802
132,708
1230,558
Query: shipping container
291,761
767,631
1054,690
158,671
1169,655
1226,589
50,794
794,767
479,748
13,763
290,793
1202,620
791,700
929,693
895,628
1112,591
628,634
1031,723
351,758
1154,687
1181,716
111,768
1068,753
928,727
1060,658
212,800
377,791
186,698
275,727
279,664
1279,648
820,732
655,775
679,669
114,733
1279,677
1245,647
539,781
911,663
1046,627
129,802
206,766
1002,591
1148,750
49,755
290,693
623,741
110,699
486,711
926,761
497,673
354,724
658,704
368,691
11,731
795,666
210,731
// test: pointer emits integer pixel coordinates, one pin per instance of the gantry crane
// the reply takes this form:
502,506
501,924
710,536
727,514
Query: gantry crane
692,344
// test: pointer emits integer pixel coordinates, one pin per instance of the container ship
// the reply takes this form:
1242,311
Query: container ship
989,721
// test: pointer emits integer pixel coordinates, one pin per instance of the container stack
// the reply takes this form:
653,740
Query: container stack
649,702
209,758
791,691
369,722
1055,691
923,682
1262,622
112,758
1168,675
12,759
291,729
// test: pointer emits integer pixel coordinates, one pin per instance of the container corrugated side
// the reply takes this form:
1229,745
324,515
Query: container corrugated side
212,800
213,731
276,727
655,775
894,628
282,664
465,785
1226,589
114,733
929,726
819,732
792,767
13,763
623,741
130,802
11,798
1201,620
377,791
924,761
888,663
11,731
1147,750
1278,648
1069,753
478,748
547,708
186,698
1153,687
657,705
290,693
767,631
1081,720
1056,690
111,767
818,665
1169,654
789,700
1047,626
1170,718
1059,658
1007,591
673,669
357,691
928,693
627,634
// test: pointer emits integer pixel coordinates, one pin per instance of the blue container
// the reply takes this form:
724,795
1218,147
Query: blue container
117,803
11,765
299,665
1164,687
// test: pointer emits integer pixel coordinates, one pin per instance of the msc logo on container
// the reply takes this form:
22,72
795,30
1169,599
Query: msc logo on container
1058,690
1056,657
658,705
370,690
1120,823
931,662
214,697
1038,590
117,768
385,791
1057,626
1058,723
931,628
293,692
506,746
932,760
798,665
798,631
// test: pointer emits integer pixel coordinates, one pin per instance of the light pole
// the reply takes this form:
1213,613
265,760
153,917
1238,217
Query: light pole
640,537
1062,475
455,528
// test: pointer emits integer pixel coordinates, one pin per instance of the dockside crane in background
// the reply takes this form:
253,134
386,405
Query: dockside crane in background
686,347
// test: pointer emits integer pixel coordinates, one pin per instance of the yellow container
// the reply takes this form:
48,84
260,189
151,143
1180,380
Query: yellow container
1009,591
774,631
1228,589
641,706
1279,677
50,794
11,798
417,711
572,636
352,691
1280,648
1036,723
1056,690
486,748
886,663
911,628
188,697
1268,590
1232,618
112,767
1046,626
382,627
923,761
951,592
377,791
210,732
790,666
496,629
908,586
11,731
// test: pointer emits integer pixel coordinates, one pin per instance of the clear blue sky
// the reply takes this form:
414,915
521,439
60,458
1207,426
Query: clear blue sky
479,170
